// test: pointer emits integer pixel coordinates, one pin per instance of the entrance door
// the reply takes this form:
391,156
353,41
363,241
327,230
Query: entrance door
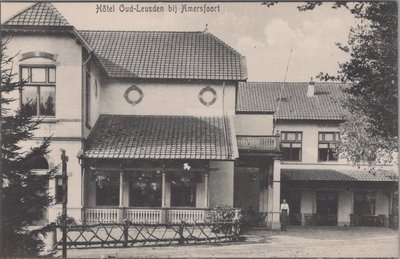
327,208
293,198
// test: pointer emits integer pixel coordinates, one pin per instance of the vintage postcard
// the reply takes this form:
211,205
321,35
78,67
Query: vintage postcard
199,129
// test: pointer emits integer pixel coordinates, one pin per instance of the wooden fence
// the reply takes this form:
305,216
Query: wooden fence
143,234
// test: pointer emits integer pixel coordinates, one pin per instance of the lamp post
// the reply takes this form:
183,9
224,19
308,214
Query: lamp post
64,159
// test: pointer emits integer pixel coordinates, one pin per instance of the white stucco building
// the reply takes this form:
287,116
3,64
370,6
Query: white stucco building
161,126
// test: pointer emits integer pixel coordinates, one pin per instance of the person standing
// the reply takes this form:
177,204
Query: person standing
284,214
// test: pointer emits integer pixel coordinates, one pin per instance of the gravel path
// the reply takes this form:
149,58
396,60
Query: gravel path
296,242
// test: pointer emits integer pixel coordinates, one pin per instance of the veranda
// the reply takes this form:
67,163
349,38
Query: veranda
146,191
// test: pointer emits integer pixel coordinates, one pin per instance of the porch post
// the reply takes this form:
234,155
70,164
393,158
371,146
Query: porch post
121,195
276,195
206,190
163,194
83,193
121,184
163,216
269,198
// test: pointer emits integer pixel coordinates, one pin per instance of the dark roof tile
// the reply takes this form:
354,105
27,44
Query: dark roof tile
339,175
166,55
167,137
39,14
263,97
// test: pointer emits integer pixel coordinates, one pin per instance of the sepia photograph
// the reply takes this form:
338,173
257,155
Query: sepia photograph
199,129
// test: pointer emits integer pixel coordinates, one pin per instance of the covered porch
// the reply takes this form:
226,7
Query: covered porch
152,191
157,169
341,197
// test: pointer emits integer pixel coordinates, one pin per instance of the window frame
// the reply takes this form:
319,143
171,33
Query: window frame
364,201
38,85
152,178
112,199
177,189
56,200
291,142
336,139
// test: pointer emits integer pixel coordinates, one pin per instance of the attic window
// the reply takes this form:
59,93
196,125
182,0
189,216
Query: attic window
282,99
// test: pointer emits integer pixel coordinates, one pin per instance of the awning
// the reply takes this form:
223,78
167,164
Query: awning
162,137
378,175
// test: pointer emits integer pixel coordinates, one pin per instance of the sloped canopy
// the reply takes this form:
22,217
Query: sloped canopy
161,137
355,175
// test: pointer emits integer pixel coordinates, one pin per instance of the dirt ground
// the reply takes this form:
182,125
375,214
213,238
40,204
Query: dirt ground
296,242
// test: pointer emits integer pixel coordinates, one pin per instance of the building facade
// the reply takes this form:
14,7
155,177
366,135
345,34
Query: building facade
321,187
161,126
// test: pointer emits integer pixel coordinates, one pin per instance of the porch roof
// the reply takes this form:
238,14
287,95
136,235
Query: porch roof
339,175
162,137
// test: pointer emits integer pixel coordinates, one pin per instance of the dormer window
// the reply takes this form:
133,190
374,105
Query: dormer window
39,91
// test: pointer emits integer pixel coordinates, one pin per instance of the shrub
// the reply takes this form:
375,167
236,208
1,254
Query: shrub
222,213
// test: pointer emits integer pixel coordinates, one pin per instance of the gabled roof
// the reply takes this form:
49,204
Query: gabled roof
144,54
39,14
161,137
263,97
165,55
354,175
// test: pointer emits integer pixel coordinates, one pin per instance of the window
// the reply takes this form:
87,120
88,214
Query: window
107,188
145,189
39,92
291,145
87,98
327,146
59,190
364,202
183,194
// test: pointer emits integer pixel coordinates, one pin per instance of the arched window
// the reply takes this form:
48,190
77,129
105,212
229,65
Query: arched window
40,165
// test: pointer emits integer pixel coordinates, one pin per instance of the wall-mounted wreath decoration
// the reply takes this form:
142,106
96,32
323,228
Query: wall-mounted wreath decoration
207,96
133,95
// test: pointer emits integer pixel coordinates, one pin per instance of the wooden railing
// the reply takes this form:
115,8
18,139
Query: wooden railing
187,215
127,234
144,215
151,216
93,216
258,143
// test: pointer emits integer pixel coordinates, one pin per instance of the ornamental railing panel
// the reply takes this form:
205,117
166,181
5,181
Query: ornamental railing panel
95,215
258,143
189,216
151,216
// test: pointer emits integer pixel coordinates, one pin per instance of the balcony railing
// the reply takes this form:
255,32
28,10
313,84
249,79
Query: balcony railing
258,143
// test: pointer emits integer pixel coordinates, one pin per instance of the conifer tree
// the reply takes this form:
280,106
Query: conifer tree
24,193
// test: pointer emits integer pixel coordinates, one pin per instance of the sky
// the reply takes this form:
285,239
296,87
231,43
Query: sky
264,35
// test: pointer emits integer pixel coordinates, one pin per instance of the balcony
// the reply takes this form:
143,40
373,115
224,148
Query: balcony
258,143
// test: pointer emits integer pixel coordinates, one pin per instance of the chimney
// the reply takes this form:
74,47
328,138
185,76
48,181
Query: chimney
311,88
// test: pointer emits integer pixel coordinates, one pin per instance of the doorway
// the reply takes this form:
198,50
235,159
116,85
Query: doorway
293,198
327,208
